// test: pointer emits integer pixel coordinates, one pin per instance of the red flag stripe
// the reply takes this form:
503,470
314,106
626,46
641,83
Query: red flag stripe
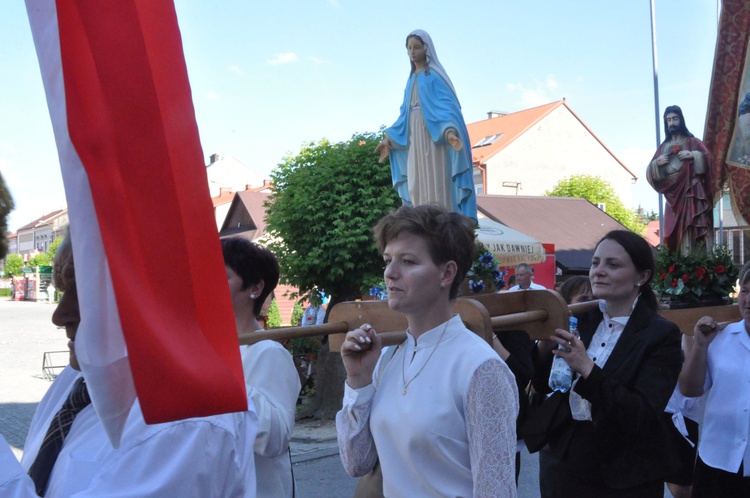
131,121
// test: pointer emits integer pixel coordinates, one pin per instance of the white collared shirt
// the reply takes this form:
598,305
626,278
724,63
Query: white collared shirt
532,286
452,433
604,341
726,421
208,456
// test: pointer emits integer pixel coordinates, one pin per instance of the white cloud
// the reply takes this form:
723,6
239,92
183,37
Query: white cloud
236,70
283,58
543,92
7,147
317,60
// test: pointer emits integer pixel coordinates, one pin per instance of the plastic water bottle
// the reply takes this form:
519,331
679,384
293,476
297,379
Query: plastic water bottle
561,375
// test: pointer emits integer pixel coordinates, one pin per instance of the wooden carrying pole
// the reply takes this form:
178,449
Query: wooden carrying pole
536,312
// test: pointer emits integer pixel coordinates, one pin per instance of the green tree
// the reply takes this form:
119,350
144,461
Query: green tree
297,313
13,265
320,217
274,315
597,190
53,248
321,214
6,206
41,259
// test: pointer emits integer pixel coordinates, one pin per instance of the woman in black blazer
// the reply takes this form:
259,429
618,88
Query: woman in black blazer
610,439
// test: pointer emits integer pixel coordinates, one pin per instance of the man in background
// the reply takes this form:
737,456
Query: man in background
525,278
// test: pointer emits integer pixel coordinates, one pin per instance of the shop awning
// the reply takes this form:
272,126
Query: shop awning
509,246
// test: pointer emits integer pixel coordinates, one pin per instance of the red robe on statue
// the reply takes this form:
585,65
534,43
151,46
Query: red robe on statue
688,215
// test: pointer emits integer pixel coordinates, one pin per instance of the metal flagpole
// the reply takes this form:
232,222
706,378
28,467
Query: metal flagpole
656,112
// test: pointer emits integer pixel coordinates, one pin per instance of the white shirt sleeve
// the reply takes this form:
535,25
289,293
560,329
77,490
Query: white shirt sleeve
356,446
273,385
14,482
194,457
491,412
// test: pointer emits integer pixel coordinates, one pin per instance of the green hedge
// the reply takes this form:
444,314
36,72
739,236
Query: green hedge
4,292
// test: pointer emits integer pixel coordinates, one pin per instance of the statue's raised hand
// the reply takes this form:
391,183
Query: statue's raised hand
383,148
452,138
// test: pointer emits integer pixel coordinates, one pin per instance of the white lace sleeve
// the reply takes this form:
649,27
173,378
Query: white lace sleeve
356,446
491,411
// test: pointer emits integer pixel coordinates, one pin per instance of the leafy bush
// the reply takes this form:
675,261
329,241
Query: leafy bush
303,346
274,315
297,313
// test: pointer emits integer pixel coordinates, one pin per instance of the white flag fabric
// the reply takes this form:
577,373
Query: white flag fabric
156,317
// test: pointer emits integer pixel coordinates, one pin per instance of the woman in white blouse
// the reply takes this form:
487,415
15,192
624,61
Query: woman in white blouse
270,376
439,411
717,360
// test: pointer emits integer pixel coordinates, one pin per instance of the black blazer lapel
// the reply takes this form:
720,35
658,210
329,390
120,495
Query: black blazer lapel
630,338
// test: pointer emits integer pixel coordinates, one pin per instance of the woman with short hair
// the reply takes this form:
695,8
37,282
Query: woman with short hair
439,410
271,379
717,361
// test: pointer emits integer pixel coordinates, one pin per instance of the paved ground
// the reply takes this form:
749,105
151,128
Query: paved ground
26,333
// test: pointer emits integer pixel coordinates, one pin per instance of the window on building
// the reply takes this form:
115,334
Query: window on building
487,140
478,184
738,242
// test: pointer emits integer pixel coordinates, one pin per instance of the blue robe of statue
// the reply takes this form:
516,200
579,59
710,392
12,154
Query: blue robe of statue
441,110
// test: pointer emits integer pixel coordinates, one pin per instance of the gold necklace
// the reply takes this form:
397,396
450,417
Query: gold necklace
403,366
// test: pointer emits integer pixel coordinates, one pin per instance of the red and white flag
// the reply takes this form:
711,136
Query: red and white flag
156,317
727,131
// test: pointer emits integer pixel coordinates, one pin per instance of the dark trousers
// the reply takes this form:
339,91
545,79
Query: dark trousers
709,482
571,478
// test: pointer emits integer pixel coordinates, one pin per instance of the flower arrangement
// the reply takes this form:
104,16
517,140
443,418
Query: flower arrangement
698,276
379,292
484,274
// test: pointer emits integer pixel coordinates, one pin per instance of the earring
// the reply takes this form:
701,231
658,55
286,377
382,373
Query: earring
252,296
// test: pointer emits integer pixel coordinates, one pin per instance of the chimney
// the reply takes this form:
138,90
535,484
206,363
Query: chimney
225,190
495,114
213,158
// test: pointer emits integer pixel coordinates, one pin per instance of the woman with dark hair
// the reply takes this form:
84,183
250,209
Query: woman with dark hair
576,290
611,439
439,410
429,144
717,361
270,376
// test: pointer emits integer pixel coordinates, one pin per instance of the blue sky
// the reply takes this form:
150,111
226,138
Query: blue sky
268,77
